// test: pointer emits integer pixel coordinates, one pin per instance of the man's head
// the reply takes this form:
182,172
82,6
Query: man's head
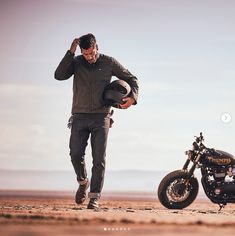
89,48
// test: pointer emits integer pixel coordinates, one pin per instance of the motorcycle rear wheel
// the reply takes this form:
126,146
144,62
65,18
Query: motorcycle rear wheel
176,191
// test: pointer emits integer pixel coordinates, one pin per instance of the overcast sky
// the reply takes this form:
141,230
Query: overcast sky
182,52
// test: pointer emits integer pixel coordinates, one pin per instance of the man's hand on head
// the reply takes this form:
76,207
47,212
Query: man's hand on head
74,45
128,102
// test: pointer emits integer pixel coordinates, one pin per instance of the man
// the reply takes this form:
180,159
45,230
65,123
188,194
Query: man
90,117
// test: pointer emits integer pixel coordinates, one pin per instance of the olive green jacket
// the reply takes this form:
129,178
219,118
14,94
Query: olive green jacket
89,81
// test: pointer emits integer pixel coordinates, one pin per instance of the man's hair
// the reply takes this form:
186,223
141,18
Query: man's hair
87,41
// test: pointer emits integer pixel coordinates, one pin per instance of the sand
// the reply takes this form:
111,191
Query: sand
27,213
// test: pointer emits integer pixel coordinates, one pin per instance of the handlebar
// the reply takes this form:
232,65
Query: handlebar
200,138
198,145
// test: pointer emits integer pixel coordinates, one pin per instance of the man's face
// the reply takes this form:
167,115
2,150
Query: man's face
90,54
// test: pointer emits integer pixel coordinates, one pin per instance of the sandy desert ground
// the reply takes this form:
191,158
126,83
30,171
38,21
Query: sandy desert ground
25,213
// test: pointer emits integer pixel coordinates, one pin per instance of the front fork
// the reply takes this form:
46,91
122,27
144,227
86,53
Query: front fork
192,169
186,164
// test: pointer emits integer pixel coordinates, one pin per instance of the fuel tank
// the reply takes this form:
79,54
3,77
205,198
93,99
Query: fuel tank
219,158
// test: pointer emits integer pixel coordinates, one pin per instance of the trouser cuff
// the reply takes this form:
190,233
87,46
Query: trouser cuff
94,195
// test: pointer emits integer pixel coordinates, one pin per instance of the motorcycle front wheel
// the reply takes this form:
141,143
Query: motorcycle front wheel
177,191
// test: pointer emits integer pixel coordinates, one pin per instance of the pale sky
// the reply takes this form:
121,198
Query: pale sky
181,51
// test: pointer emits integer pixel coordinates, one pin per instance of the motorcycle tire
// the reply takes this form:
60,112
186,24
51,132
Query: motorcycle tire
169,194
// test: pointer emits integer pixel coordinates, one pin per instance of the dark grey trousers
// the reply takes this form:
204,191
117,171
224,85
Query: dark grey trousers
95,126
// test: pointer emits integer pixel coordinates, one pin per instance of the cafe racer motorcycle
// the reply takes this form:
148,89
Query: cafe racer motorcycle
179,189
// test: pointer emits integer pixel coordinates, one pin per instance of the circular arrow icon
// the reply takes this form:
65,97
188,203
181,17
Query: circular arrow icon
226,117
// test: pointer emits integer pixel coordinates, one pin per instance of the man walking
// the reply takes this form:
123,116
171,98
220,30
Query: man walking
91,72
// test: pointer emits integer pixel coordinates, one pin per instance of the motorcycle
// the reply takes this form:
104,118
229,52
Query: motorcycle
179,189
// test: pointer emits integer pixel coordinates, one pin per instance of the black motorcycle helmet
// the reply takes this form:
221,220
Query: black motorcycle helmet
115,92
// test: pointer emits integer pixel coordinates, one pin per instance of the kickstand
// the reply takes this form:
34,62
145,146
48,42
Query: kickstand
221,205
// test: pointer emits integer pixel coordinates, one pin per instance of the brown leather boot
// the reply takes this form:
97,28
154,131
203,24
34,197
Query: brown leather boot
81,192
93,203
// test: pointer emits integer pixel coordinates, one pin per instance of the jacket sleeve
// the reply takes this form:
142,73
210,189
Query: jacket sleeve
66,67
122,73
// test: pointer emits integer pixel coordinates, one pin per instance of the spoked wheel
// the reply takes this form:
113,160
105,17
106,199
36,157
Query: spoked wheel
177,191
